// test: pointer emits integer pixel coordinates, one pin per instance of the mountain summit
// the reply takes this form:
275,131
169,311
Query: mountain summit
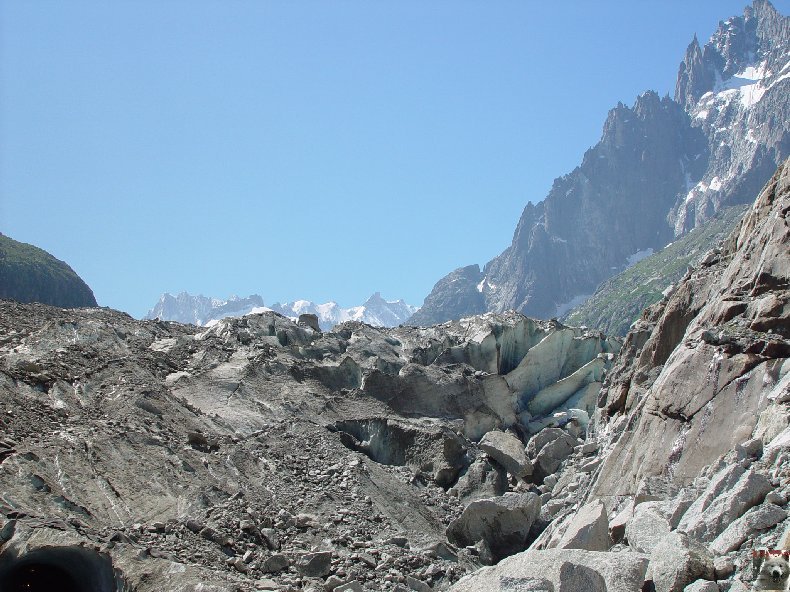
662,167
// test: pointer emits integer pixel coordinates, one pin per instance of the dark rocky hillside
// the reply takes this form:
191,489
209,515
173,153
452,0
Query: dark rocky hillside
30,274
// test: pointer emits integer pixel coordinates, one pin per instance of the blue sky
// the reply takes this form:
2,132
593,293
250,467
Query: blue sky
318,150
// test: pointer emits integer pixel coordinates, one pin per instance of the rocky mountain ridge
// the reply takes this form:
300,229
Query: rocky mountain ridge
203,311
661,167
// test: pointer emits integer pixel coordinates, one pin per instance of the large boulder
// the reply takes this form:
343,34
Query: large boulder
647,527
752,522
501,523
678,561
548,448
508,451
588,529
560,570
481,480
706,520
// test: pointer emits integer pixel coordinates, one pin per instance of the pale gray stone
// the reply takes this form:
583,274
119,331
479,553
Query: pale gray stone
647,527
588,529
708,522
503,523
621,572
508,451
678,561
747,526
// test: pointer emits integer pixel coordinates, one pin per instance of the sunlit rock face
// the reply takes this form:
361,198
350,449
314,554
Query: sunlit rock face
712,354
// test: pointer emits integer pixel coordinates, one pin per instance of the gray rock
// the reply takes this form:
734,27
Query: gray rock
621,572
275,563
481,480
723,567
618,523
507,584
352,586
417,585
314,565
549,448
647,527
750,489
678,561
702,586
747,526
503,523
508,451
575,577
309,320
589,529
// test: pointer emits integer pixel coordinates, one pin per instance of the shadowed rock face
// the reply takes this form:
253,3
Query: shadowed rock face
30,274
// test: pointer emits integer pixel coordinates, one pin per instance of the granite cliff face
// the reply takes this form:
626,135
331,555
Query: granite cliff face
731,317
736,90
662,167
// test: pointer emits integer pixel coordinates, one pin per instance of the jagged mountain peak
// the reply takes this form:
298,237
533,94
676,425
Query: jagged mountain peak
738,43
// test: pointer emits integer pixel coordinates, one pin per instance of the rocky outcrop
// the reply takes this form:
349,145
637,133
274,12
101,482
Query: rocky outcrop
661,168
565,570
736,90
507,451
501,524
686,458
30,274
719,318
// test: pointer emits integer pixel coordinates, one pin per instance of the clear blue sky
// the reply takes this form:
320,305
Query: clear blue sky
318,150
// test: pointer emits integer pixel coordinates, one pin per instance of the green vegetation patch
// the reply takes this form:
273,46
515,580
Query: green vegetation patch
30,274
620,300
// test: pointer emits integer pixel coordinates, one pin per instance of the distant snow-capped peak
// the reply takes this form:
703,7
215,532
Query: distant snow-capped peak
202,311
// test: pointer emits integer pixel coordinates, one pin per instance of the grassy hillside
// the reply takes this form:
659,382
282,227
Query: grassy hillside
619,301
30,274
